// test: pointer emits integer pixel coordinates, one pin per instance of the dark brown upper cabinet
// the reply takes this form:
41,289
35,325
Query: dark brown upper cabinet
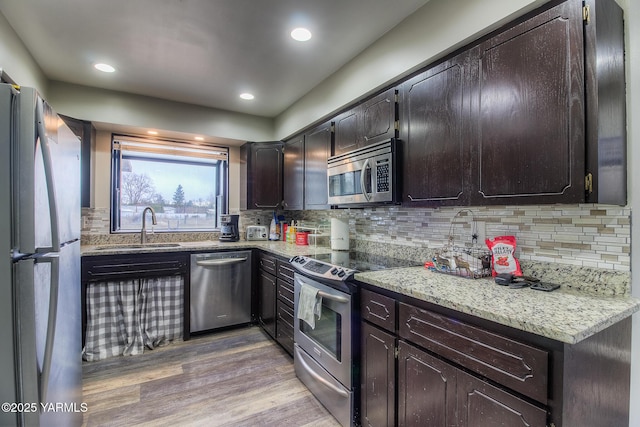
530,145
605,103
371,121
87,133
293,185
533,113
261,166
317,149
435,133
305,169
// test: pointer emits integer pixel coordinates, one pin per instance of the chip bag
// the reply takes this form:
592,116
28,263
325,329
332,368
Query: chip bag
503,258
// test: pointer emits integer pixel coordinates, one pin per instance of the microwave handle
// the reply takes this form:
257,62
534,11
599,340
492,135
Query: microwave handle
362,183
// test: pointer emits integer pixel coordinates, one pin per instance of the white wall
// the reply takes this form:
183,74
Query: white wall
17,62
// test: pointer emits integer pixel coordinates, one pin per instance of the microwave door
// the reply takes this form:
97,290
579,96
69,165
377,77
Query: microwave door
345,183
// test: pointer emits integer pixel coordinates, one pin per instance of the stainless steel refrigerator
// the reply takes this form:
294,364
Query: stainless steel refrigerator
40,318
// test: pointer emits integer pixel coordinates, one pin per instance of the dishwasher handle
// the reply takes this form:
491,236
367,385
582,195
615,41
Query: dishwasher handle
220,262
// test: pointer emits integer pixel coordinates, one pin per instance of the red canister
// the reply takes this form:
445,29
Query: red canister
302,238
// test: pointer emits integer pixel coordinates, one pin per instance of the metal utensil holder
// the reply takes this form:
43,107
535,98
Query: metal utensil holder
470,258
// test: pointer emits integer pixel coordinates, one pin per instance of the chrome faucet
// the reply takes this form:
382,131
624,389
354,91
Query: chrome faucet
143,232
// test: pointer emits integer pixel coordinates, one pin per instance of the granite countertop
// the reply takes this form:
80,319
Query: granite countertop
284,249
564,315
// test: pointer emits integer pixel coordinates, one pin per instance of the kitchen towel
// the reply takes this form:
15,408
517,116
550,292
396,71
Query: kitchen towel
309,305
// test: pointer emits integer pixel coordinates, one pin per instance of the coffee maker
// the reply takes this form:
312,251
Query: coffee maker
229,231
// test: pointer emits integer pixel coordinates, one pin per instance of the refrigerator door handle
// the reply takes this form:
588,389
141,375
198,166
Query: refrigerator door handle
51,324
48,172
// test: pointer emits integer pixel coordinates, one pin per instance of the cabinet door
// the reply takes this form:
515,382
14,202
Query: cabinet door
426,389
265,176
483,405
530,112
267,302
436,134
371,121
346,132
317,149
378,377
378,116
294,176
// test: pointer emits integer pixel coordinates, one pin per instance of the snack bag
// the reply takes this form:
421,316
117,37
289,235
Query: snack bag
503,258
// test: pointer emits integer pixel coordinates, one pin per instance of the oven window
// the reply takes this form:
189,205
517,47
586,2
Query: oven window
327,332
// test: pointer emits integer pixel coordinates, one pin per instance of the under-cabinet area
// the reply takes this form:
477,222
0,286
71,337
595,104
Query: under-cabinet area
132,302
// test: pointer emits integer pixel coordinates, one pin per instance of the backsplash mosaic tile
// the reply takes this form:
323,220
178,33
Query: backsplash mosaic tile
584,235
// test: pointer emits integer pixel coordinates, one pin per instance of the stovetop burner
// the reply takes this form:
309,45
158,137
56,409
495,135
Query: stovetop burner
342,265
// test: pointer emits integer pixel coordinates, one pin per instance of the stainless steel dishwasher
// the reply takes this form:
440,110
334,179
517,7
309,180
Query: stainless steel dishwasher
220,287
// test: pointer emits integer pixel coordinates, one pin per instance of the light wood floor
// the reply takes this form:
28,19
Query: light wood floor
233,378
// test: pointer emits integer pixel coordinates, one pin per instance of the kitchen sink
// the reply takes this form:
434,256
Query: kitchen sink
138,246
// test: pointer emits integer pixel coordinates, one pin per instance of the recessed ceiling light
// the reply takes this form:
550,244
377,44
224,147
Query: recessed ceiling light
301,34
198,138
152,132
247,96
104,68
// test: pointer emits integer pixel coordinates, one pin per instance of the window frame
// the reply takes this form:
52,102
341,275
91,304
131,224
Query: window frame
163,146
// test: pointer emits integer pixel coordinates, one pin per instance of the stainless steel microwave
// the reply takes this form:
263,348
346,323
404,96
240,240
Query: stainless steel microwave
363,176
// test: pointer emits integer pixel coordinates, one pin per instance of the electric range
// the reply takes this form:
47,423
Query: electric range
338,267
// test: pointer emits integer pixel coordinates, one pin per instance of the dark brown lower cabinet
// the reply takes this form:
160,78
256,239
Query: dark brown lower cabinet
456,370
267,302
285,305
426,389
378,377
482,405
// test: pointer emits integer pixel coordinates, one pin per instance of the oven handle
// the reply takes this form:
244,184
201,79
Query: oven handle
336,298
362,183
318,378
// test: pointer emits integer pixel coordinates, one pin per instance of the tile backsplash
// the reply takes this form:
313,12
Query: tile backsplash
584,235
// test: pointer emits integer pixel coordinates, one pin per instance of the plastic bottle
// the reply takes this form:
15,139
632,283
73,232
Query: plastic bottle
291,237
273,229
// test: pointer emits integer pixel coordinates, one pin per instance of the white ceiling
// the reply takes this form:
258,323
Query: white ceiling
203,52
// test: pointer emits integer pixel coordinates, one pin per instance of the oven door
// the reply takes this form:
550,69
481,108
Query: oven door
329,343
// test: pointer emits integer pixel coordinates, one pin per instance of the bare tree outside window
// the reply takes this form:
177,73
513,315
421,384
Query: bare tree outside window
137,188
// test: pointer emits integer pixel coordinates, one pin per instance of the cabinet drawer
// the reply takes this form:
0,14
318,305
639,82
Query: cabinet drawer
285,339
267,263
285,292
285,271
515,365
378,309
285,314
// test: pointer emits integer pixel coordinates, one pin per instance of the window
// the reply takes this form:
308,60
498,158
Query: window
185,183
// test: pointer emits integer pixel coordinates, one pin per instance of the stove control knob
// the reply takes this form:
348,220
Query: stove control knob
334,271
341,273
